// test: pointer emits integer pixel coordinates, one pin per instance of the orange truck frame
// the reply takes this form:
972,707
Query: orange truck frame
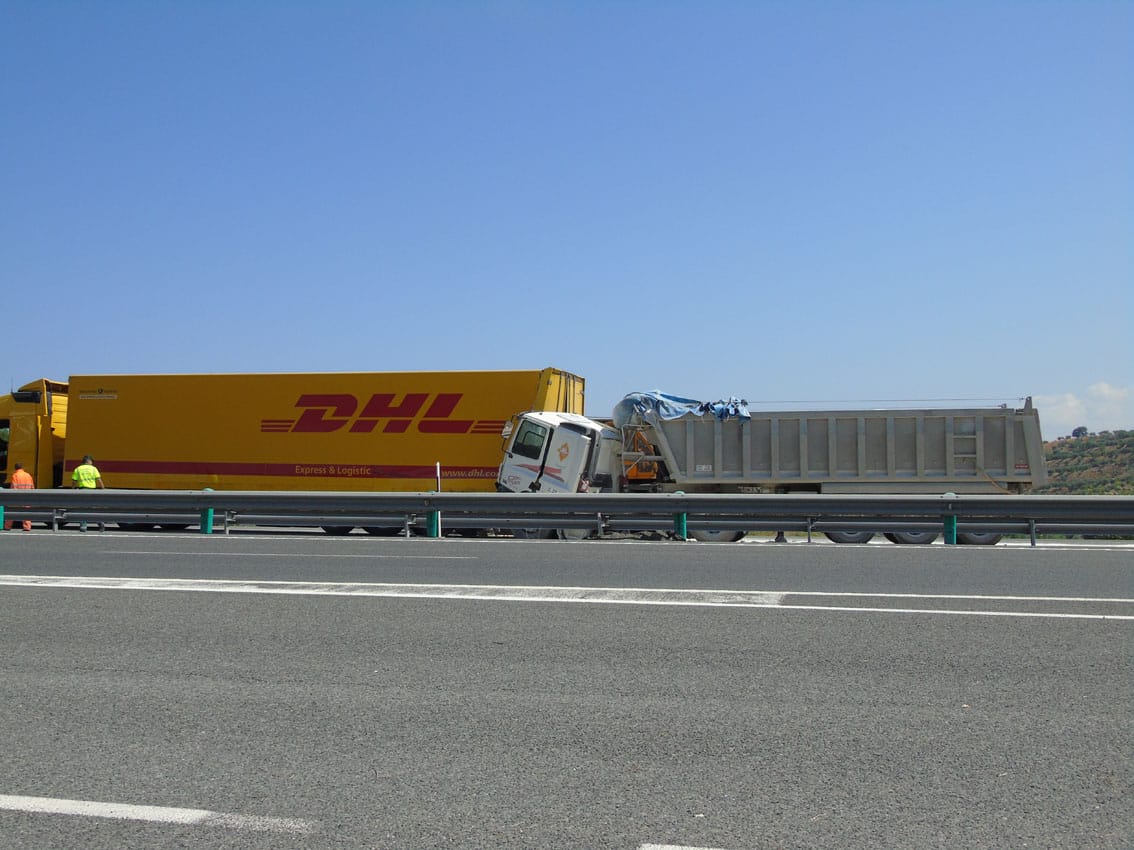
344,431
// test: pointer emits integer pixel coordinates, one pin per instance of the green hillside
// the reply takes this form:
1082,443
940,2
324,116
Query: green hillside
1091,465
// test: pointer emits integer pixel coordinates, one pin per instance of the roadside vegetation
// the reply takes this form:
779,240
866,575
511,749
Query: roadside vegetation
1086,464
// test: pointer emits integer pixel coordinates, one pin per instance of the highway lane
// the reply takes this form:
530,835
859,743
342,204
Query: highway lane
738,718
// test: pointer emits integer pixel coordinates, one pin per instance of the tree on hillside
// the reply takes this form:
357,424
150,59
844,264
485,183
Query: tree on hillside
1081,431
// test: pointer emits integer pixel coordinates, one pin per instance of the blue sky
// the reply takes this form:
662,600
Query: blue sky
799,203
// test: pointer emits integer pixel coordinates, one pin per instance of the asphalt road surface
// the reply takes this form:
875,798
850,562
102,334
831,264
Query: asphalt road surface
316,692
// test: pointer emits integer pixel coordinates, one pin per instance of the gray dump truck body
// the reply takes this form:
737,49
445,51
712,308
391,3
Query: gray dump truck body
986,450
660,443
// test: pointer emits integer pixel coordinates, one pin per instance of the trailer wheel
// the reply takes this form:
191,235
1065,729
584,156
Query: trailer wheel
338,530
716,536
975,539
534,533
849,536
911,538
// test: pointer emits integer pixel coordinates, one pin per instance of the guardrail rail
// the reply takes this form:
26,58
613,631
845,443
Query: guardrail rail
675,513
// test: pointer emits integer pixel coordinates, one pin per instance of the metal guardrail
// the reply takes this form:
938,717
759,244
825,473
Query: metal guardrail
673,512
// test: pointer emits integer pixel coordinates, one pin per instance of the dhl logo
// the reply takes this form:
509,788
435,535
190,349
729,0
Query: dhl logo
324,413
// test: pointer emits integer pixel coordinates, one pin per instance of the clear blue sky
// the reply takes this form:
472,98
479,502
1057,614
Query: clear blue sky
796,203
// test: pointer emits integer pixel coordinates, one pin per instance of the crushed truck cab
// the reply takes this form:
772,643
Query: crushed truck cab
552,452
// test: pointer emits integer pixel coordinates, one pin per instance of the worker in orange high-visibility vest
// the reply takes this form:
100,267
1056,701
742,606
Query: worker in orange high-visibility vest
21,480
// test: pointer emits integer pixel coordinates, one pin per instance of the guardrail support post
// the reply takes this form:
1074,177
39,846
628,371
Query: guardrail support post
1,516
206,525
1032,530
950,524
433,518
681,522
681,526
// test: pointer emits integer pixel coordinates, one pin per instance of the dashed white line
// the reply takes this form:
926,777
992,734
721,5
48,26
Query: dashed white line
155,814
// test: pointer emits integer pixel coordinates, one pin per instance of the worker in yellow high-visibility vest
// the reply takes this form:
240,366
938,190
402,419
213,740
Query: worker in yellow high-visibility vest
86,477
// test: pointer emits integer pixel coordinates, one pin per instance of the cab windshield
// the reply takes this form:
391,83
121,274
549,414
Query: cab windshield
530,439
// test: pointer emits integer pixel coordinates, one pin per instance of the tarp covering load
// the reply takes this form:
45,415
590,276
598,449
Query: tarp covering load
639,408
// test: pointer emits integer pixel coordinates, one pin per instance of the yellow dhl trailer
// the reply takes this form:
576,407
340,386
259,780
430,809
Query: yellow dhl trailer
379,431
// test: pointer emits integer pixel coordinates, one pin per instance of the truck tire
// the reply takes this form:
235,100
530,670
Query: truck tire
911,538
535,533
976,539
849,536
716,536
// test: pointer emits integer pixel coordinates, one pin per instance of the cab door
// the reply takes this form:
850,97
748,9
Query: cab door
524,458
565,466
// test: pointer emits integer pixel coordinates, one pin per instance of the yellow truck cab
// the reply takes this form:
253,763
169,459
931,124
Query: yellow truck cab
33,426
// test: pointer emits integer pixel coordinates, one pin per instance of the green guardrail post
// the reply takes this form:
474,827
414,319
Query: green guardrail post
1,516
951,524
207,517
433,521
681,521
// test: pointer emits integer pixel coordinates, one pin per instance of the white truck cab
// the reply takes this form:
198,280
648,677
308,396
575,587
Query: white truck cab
557,453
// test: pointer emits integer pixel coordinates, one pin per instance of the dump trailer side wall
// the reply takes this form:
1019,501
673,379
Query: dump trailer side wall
299,431
867,451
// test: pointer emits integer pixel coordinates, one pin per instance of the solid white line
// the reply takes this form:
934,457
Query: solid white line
1037,615
506,593
672,847
297,555
626,596
860,594
531,592
154,814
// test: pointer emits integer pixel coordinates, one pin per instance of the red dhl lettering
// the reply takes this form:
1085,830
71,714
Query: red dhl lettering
324,413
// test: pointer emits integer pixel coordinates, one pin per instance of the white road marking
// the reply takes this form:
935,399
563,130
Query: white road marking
851,594
596,595
672,847
155,814
958,612
296,555
626,596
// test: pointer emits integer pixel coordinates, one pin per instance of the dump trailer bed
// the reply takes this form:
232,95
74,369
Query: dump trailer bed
984,450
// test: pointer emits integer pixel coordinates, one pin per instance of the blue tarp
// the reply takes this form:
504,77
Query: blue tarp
635,407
